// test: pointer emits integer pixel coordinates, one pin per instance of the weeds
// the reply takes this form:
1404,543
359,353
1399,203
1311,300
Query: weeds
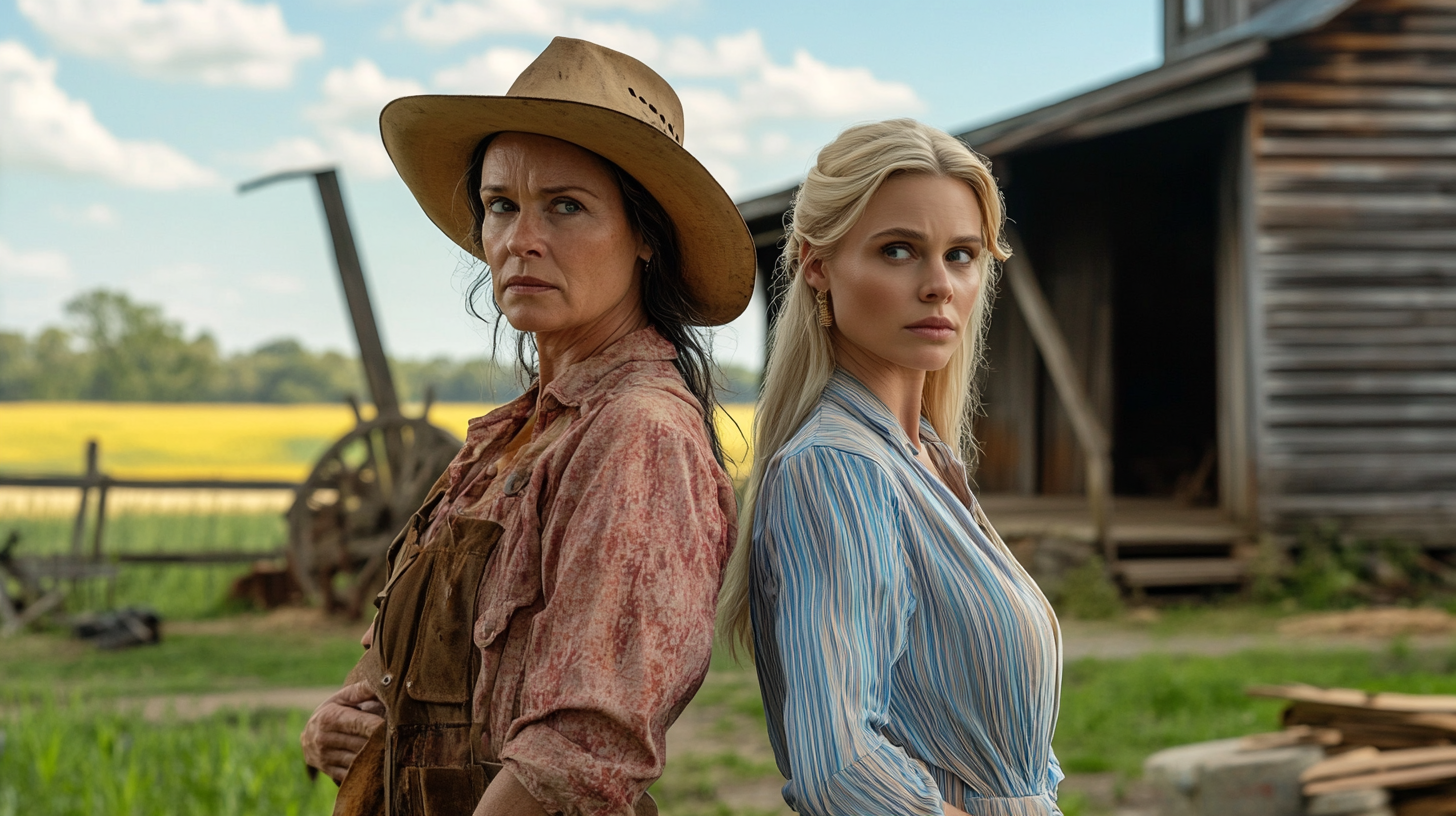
1087,593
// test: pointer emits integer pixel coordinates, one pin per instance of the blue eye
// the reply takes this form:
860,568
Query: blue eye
566,206
960,256
500,205
898,252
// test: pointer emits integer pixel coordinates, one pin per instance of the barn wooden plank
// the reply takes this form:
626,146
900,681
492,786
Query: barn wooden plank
1280,357
1428,22
1314,93
1414,297
1357,146
1361,263
1299,240
1410,462
1361,383
1408,5
1327,204
1429,502
1276,174
1404,72
1349,763
1404,778
1356,41
1346,336
1405,411
1372,122
1219,92
1290,317
1361,440
1155,572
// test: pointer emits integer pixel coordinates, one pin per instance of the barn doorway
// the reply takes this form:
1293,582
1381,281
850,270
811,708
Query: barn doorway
1123,232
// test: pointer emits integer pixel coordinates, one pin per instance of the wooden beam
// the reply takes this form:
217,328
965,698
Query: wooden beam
1093,439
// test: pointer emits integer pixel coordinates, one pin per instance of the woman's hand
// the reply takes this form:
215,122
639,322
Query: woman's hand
339,728
952,810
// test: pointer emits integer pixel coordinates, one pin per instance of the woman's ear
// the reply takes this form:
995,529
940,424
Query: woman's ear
811,266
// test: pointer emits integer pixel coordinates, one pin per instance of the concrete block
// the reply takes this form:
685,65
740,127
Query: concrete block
1217,779
1347,803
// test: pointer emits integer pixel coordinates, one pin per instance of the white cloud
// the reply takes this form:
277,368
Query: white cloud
345,132
447,23
356,95
808,87
729,55
276,284
359,153
489,73
216,42
40,264
98,215
42,127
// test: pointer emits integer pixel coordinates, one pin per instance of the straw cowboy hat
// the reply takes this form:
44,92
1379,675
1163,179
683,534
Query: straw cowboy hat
609,104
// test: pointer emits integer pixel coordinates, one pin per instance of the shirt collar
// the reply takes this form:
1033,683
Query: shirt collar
577,381
856,398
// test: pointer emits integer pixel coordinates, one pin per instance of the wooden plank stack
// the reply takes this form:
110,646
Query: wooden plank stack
1401,745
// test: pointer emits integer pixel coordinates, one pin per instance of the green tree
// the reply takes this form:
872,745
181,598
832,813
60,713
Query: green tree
284,371
138,354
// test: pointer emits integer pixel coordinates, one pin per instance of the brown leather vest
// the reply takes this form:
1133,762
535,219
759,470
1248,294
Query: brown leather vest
426,758
429,756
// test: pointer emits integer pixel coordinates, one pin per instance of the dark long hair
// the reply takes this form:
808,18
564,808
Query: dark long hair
665,298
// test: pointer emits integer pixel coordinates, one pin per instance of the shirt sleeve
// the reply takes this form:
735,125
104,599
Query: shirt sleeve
829,523
1055,775
632,556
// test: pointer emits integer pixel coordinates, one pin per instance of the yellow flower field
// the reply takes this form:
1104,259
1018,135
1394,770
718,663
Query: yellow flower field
211,440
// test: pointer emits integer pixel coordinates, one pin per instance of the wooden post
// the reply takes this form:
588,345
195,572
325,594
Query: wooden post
1093,439
78,530
103,486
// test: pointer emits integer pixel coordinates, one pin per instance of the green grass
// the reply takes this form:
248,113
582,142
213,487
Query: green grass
1116,712
35,667
60,761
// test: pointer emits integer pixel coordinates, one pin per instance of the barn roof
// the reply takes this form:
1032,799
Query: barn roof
1207,74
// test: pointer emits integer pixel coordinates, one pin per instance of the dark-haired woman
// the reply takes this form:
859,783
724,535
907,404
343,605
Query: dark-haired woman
549,610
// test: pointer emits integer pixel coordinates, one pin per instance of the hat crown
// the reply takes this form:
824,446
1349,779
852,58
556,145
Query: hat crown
579,71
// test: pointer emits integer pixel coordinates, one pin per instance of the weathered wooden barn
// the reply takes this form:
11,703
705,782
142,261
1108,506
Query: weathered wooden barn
1250,254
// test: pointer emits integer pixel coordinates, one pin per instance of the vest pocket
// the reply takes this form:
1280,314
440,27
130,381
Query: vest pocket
443,662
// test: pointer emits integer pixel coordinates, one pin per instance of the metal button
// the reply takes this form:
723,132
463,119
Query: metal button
514,483
386,679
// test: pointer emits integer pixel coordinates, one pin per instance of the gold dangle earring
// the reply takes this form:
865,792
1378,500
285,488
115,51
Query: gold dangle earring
821,299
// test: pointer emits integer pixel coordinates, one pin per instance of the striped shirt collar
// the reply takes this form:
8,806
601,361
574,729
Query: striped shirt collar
855,397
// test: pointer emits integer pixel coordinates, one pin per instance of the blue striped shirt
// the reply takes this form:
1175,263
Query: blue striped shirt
905,657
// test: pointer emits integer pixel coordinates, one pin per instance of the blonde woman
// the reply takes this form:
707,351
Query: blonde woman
908,664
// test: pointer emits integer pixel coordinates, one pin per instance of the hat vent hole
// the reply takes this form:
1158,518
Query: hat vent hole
652,108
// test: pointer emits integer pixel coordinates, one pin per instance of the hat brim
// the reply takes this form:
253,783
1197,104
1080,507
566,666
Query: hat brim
431,138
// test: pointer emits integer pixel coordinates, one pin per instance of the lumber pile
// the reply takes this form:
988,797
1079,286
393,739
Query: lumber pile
1385,753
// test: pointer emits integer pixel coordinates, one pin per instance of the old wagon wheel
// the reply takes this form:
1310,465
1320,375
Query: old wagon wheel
358,497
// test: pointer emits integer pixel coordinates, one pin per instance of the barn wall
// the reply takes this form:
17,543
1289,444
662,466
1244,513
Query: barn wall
1354,154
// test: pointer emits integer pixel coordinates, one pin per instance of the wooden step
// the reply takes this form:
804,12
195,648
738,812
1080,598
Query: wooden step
1160,572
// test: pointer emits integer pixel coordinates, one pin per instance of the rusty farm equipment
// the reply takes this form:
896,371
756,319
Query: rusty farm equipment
367,484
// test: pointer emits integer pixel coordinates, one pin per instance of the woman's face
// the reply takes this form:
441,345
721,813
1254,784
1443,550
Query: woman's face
561,252
903,282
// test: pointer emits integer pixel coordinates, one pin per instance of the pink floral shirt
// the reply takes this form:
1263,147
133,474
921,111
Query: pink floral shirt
596,611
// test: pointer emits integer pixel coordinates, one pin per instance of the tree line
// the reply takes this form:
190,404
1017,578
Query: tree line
114,348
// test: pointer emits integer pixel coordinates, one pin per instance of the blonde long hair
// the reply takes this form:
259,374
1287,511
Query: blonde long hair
801,360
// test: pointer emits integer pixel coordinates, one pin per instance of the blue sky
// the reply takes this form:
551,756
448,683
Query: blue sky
126,124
